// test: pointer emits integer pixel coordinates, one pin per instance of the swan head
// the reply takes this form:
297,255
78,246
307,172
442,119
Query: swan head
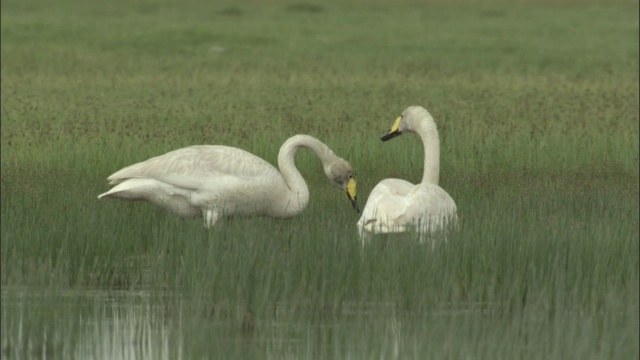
340,174
411,119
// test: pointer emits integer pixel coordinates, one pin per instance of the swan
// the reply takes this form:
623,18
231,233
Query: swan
214,181
396,205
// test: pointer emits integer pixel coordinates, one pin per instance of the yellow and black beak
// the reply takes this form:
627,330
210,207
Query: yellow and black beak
351,193
394,130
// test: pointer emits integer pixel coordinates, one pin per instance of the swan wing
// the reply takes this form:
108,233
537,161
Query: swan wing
386,202
429,205
193,167
395,204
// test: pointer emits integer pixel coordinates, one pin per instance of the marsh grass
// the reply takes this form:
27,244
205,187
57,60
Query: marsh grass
537,108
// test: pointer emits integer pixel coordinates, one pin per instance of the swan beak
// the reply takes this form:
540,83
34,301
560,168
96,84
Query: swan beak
351,194
394,130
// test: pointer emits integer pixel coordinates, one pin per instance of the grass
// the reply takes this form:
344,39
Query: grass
537,107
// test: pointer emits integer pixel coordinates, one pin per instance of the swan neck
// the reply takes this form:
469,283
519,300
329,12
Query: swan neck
431,143
286,162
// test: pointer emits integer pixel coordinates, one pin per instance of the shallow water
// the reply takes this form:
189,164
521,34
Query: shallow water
88,324
142,325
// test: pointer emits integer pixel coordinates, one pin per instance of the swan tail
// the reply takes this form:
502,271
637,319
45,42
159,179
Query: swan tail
132,189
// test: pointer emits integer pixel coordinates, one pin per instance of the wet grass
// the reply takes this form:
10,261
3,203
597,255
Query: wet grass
537,107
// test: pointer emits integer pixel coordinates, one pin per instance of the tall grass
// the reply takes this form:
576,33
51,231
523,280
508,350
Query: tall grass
537,107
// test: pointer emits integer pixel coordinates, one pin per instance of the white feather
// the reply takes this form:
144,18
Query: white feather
396,205
214,181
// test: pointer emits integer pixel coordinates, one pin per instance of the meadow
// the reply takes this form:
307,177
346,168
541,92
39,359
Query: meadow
537,108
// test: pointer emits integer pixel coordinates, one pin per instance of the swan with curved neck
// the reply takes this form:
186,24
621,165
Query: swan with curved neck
213,181
396,205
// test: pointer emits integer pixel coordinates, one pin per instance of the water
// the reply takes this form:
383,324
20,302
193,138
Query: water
43,324
88,324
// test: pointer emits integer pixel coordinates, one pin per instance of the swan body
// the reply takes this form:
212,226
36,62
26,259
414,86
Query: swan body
396,205
213,181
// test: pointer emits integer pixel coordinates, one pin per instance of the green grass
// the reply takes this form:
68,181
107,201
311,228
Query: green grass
537,107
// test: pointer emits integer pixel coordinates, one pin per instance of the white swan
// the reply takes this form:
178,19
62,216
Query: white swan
213,181
395,205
